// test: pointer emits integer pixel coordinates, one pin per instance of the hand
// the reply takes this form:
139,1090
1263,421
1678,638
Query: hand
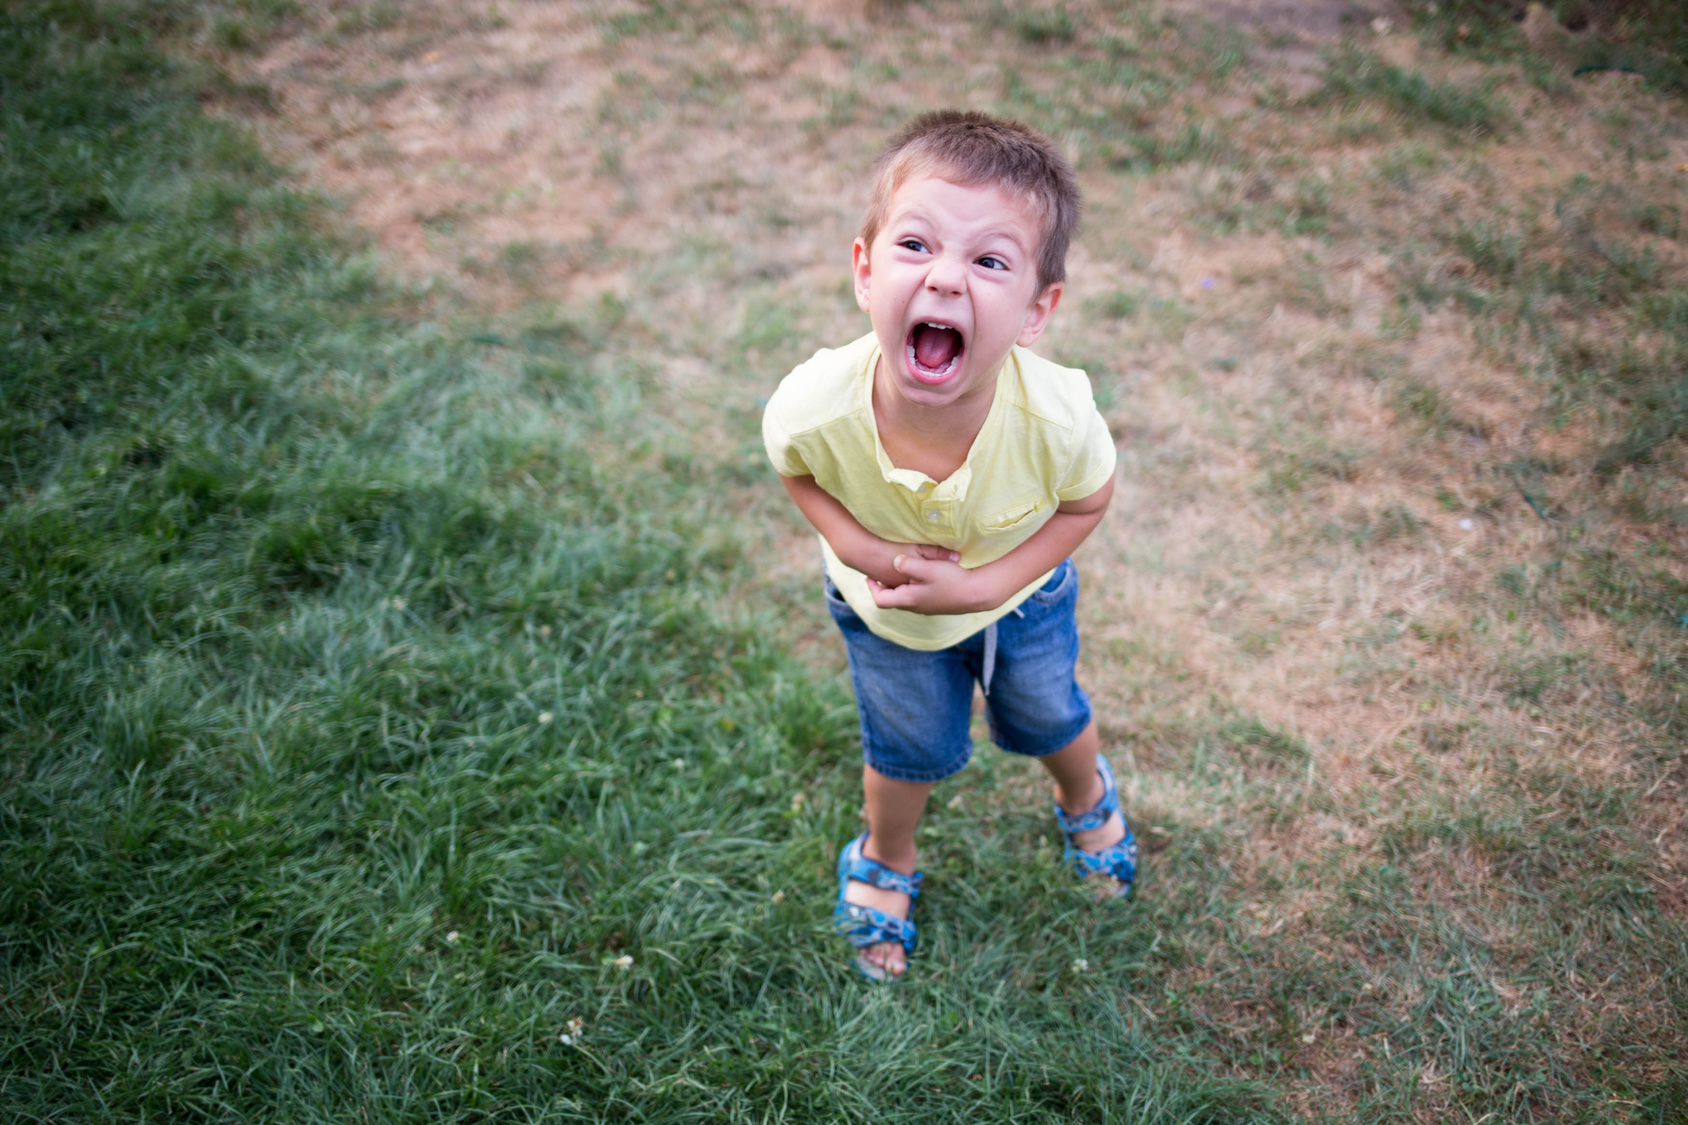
935,585
885,575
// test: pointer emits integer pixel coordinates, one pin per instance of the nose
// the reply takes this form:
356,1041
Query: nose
947,276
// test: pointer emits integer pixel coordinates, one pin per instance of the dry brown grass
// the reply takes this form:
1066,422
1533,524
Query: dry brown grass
1307,337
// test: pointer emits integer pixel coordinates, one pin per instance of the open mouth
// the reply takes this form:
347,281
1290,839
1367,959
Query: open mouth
934,350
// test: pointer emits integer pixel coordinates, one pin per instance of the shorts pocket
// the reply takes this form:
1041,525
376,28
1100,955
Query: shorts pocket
835,600
1060,584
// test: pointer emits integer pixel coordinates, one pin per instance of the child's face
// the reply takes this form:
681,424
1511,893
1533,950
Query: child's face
950,284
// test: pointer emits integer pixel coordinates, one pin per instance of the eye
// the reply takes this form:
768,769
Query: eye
991,262
913,244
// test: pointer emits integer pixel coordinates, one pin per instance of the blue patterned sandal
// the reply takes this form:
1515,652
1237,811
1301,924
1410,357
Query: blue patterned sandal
863,926
1117,861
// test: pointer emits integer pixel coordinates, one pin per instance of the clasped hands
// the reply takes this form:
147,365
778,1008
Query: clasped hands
923,578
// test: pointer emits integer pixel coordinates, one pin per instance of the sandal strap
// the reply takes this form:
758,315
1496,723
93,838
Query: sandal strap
875,874
1117,861
863,926
1098,816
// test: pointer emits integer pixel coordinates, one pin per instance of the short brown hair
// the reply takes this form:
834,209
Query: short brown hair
972,148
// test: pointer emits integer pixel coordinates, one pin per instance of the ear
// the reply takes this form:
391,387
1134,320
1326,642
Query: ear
1037,316
861,267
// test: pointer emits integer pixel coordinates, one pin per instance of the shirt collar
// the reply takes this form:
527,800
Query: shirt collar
955,488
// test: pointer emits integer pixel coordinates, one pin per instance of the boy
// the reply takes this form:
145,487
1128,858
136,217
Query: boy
950,473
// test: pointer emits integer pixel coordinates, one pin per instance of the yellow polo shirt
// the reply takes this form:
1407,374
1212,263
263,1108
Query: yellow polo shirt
1042,443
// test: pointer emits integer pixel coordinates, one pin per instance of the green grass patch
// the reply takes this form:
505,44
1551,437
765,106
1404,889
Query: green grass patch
1648,38
374,745
1584,288
1414,98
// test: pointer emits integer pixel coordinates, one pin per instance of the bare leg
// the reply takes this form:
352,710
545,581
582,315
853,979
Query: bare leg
1078,787
893,813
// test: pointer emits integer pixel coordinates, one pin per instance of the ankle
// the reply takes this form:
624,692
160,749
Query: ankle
897,858
1079,803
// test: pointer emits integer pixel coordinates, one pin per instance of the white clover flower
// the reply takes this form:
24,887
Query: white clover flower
1080,965
624,962
451,938
573,1035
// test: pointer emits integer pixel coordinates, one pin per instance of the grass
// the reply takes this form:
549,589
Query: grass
1413,97
369,729
394,689
1648,38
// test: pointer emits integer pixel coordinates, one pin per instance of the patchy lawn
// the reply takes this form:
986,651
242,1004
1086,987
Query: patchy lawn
1388,310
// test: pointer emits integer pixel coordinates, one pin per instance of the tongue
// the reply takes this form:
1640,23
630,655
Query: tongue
935,347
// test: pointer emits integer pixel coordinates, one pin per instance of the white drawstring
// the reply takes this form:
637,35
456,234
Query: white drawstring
990,651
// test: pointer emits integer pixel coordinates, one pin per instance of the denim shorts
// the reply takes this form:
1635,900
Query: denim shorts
917,707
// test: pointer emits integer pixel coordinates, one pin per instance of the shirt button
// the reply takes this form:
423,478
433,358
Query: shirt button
934,516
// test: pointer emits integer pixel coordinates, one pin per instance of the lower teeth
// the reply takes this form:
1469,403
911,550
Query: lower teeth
918,366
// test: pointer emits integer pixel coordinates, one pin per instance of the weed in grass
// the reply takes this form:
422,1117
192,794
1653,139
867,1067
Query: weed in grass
520,259
1400,166
1045,25
1662,219
1290,473
1353,75
1534,677
1117,305
1493,249
1423,403
1265,742
1200,142
1393,523
242,27
362,19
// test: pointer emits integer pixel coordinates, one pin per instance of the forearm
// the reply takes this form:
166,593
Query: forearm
938,587
1048,546
856,546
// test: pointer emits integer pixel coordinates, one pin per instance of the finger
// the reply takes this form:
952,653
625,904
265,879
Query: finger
895,597
913,567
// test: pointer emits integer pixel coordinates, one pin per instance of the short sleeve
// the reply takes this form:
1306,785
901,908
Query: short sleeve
1093,458
787,461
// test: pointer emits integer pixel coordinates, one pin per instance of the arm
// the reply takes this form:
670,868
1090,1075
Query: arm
856,546
941,586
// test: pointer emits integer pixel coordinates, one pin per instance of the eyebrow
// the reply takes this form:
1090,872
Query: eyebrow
1003,233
